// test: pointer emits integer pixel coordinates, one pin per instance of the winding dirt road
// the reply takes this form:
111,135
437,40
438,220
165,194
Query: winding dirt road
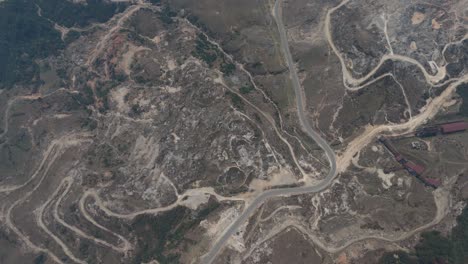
337,164
244,216
343,161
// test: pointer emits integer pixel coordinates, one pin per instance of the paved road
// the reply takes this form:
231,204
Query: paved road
210,256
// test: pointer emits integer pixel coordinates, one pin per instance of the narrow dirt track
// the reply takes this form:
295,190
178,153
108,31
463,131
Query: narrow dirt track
344,159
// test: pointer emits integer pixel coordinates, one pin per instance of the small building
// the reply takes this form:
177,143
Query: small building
400,158
454,127
414,168
428,132
432,182
416,145
389,145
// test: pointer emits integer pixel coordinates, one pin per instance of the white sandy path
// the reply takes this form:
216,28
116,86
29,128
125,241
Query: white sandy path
39,219
183,200
69,181
371,132
66,142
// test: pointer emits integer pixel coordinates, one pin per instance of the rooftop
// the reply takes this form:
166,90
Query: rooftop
454,127
415,167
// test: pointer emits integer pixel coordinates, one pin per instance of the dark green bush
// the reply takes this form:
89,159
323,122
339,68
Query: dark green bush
205,51
24,38
436,248
68,14
462,90
246,89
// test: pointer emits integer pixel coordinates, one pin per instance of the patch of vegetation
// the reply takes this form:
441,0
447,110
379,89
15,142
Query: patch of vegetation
21,140
433,248
89,123
210,53
85,97
205,51
258,119
72,36
136,109
257,65
459,238
41,259
202,214
196,21
84,248
228,68
235,100
436,248
462,90
398,257
246,89
166,15
102,92
24,38
62,73
104,156
69,14
119,77
159,236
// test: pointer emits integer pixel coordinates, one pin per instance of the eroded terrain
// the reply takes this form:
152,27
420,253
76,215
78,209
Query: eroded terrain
232,132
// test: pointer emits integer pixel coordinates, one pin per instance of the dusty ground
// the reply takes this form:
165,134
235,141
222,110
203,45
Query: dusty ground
150,133
143,115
